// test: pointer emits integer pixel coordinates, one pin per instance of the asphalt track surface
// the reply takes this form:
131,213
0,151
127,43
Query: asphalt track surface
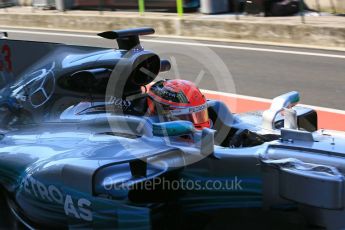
263,71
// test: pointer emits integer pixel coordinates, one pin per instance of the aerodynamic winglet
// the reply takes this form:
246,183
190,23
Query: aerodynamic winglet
127,39
115,34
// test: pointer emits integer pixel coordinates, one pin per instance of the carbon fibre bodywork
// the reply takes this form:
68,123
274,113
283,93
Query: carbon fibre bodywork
77,149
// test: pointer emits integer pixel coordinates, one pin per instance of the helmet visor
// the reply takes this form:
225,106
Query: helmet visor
195,117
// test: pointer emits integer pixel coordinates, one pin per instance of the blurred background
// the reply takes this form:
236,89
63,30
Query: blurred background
250,7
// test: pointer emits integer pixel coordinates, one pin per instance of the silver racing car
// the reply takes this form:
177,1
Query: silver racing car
79,150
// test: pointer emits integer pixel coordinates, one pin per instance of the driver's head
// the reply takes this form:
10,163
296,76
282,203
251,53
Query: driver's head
179,99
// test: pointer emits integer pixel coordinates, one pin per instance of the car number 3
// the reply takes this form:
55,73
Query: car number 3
6,63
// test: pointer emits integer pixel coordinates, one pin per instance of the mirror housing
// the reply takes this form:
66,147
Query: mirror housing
3,35
285,101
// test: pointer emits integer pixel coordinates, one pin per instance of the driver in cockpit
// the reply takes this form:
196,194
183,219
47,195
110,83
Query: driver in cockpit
182,100
179,100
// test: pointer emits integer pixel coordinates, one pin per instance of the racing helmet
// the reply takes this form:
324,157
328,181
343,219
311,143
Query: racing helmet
179,100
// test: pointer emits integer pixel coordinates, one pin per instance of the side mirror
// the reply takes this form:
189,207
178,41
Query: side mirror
285,101
3,35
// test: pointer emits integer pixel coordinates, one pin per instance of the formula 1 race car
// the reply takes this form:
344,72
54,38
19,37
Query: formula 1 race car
77,149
